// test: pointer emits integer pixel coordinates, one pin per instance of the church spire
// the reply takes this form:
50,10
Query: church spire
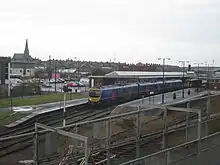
26,51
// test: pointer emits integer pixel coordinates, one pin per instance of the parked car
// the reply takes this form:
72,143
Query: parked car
46,84
60,80
72,84
79,84
84,81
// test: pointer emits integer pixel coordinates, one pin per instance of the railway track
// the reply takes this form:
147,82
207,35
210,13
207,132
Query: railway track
128,147
15,146
52,119
23,143
43,118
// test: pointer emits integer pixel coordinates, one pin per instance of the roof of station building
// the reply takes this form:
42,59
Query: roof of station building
143,74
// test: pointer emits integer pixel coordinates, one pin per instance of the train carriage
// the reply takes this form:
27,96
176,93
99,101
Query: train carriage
112,94
115,94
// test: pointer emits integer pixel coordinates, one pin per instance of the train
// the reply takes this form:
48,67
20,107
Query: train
121,93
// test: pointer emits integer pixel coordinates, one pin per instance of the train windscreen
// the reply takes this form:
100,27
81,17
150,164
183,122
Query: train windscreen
94,93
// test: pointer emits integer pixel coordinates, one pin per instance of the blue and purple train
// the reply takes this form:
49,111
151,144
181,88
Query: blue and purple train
122,93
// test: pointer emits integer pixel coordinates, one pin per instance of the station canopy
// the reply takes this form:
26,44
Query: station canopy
135,74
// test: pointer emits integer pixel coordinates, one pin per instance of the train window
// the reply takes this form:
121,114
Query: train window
94,93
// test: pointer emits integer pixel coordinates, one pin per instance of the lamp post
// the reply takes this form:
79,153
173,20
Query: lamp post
66,90
77,72
11,95
198,74
207,75
183,63
164,60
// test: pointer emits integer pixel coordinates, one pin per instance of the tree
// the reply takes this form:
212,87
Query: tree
100,71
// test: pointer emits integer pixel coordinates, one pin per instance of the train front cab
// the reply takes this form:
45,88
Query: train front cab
94,96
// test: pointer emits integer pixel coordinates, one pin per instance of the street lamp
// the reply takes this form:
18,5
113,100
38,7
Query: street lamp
11,95
66,90
164,59
183,63
207,75
198,74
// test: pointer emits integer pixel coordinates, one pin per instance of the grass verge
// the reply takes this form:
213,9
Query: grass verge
4,103
7,117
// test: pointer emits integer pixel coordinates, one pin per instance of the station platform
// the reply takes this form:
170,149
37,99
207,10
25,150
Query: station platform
157,99
46,108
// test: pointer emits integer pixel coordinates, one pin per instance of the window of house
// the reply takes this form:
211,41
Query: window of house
11,71
27,70
21,71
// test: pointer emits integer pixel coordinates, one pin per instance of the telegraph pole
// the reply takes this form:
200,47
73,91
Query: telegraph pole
49,72
164,59
183,63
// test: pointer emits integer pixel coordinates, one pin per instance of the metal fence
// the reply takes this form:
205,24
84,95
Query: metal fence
58,146
187,153
112,136
133,135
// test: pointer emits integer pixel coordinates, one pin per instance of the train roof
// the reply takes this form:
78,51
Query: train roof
134,84
118,86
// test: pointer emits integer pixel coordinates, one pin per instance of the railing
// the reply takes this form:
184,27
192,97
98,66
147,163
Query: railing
187,153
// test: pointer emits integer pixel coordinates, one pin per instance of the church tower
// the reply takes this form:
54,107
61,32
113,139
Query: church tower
26,51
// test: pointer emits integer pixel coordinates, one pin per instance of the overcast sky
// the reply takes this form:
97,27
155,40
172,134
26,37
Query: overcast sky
130,30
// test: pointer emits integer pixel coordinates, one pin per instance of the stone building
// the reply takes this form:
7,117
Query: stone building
23,64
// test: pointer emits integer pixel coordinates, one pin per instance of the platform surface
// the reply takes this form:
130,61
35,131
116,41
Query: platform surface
157,100
45,108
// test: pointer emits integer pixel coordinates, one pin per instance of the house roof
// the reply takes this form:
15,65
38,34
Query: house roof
5,59
20,57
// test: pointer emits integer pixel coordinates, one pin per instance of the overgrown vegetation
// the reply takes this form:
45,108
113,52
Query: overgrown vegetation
7,117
